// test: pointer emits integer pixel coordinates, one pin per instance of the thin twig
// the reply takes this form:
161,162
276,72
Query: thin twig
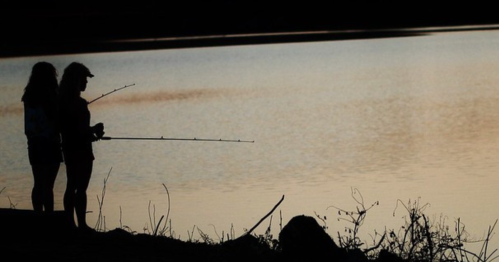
280,220
152,218
263,218
12,205
377,246
157,226
168,212
100,220
121,213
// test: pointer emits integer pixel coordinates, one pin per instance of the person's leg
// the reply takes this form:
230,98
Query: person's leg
81,193
69,194
36,192
48,186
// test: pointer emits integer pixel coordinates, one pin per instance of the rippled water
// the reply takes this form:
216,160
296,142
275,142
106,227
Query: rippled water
399,119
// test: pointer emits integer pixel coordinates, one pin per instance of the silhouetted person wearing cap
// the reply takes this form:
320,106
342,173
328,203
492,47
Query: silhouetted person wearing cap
41,127
77,138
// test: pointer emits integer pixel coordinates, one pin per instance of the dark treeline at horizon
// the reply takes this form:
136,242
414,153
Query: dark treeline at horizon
49,23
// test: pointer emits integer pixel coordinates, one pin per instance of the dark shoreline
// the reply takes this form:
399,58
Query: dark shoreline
51,27
120,44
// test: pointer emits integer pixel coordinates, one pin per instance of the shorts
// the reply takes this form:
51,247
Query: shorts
44,152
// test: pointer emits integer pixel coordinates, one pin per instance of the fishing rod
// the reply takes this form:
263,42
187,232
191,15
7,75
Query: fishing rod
177,139
108,93
163,138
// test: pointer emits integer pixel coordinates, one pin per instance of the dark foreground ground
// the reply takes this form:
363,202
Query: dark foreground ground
119,245
26,236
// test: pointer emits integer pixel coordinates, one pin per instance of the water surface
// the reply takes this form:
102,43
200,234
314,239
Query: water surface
409,119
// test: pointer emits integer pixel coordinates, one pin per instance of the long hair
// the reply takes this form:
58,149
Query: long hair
41,90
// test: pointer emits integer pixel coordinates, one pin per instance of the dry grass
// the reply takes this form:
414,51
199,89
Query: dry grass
419,239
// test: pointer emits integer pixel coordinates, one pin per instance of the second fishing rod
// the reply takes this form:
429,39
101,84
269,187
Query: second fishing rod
108,93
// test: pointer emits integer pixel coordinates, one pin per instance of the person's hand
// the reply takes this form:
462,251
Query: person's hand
99,130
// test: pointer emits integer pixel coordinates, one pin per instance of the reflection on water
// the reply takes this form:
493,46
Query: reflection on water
398,119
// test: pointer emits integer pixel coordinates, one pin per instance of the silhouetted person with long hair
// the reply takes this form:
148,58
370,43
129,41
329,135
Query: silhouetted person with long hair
41,127
77,138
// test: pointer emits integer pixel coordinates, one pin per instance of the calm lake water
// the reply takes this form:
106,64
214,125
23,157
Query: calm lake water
398,119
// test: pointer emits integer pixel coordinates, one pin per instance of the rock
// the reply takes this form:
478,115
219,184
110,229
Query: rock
386,256
353,255
302,236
